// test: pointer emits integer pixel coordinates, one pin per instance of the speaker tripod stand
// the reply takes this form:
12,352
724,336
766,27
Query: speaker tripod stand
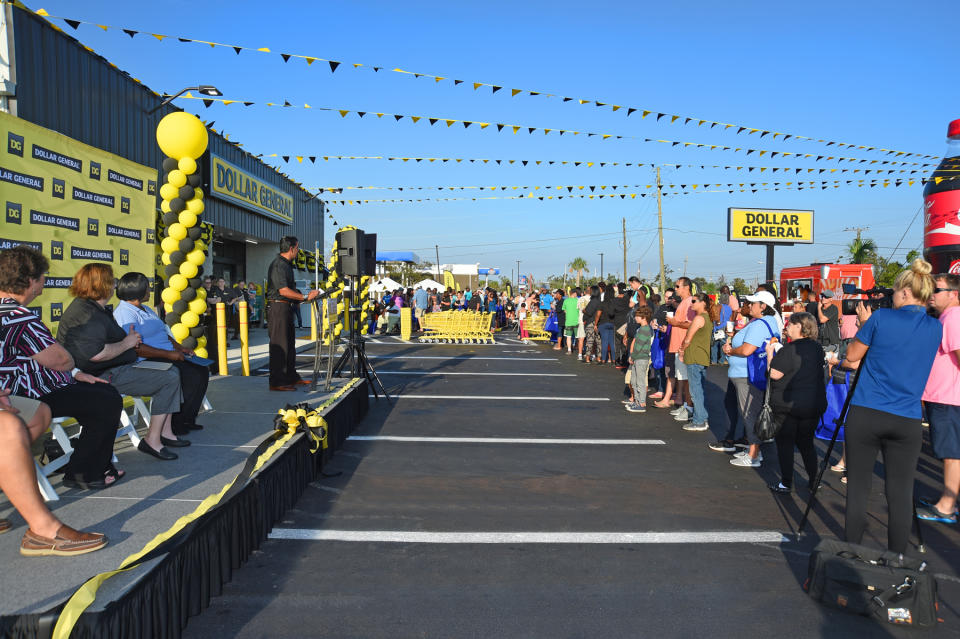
354,359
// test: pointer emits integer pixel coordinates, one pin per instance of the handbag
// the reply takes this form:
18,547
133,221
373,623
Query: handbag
836,396
766,426
873,583
757,362
657,350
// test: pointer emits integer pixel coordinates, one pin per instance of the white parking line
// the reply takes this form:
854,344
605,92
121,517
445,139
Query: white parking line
487,374
485,397
509,440
399,536
507,359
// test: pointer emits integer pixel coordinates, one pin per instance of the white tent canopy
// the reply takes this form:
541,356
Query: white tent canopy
429,283
385,284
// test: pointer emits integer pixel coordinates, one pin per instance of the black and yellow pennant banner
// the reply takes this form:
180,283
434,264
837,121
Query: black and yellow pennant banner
666,190
333,65
516,128
583,163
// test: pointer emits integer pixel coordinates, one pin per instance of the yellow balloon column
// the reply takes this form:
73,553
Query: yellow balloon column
183,138
365,304
332,327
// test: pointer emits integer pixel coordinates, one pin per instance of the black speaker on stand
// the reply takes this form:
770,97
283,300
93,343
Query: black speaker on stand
350,249
370,254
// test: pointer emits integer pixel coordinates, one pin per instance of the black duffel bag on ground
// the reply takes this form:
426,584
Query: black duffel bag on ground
873,583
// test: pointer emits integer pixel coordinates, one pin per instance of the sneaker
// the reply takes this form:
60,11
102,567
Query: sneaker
723,446
746,461
746,453
741,443
682,416
696,427
676,410
636,408
580,356
627,401
930,513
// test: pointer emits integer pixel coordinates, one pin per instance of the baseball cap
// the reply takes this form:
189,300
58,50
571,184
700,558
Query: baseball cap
763,296
827,293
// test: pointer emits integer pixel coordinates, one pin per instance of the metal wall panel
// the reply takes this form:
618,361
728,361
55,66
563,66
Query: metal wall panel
63,86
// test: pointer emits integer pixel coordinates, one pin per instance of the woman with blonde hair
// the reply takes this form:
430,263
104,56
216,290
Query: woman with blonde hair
885,408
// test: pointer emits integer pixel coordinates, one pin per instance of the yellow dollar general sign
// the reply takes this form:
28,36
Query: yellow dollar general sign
76,204
769,226
232,183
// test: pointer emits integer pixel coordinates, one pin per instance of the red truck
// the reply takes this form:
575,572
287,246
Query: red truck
821,277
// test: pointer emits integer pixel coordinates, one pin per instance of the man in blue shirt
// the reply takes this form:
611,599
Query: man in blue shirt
420,298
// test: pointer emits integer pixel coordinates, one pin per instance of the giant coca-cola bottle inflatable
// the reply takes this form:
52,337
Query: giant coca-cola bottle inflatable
941,199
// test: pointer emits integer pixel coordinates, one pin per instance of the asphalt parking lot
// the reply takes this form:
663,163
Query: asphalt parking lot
504,492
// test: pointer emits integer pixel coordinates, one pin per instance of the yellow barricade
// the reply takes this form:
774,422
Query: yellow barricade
533,327
457,327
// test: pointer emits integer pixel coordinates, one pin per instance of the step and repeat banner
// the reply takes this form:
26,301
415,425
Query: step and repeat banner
76,204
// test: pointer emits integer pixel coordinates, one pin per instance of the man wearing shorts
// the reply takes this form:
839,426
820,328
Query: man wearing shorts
571,318
942,398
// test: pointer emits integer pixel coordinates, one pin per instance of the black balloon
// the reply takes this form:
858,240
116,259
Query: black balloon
186,192
194,283
186,245
194,232
180,306
172,318
195,180
188,294
176,205
169,164
197,331
177,258
189,342
171,269
170,217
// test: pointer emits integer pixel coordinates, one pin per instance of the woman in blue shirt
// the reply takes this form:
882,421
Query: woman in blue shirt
885,408
133,289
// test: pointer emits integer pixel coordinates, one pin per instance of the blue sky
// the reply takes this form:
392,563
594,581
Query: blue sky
874,75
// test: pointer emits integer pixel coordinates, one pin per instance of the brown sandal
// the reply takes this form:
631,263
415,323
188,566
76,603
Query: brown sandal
5,525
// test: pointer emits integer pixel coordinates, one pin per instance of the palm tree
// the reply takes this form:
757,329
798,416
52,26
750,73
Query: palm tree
578,266
862,251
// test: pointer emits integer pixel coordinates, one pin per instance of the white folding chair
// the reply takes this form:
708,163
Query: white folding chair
60,435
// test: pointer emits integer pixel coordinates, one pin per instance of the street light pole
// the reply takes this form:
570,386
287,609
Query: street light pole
602,278
518,275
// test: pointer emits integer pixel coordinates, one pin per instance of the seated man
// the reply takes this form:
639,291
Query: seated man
46,535
34,365
159,344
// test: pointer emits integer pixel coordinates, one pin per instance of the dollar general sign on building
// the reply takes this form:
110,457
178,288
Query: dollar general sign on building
769,226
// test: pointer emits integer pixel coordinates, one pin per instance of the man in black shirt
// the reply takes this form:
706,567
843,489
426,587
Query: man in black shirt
828,316
281,293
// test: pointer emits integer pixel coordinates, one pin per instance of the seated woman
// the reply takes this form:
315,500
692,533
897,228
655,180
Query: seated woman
158,344
100,347
34,365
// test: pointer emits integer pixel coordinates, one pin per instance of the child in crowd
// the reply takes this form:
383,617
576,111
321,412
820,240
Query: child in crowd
521,317
640,359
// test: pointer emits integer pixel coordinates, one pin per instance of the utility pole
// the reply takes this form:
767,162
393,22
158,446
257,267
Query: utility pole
685,257
437,247
518,275
602,278
624,222
857,229
663,277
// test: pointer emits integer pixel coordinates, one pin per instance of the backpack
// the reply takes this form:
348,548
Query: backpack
757,362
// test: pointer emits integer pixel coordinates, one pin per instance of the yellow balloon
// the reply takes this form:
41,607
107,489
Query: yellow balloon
178,282
177,178
165,258
199,246
177,231
168,308
187,218
187,165
190,319
200,351
201,293
169,295
181,135
165,206
195,206
198,193
197,305
188,269
169,245
180,332
202,341
196,257
168,191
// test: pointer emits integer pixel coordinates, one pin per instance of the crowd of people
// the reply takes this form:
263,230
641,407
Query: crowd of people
784,356
99,354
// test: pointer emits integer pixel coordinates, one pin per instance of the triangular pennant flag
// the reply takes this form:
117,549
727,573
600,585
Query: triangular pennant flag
343,113
264,50
456,82
515,129
285,56
207,103
333,65
514,92
130,32
397,117
495,88
432,121
73,23
158,36
500,127
449,122
361,113
416,118
630,110
287,104
238,49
